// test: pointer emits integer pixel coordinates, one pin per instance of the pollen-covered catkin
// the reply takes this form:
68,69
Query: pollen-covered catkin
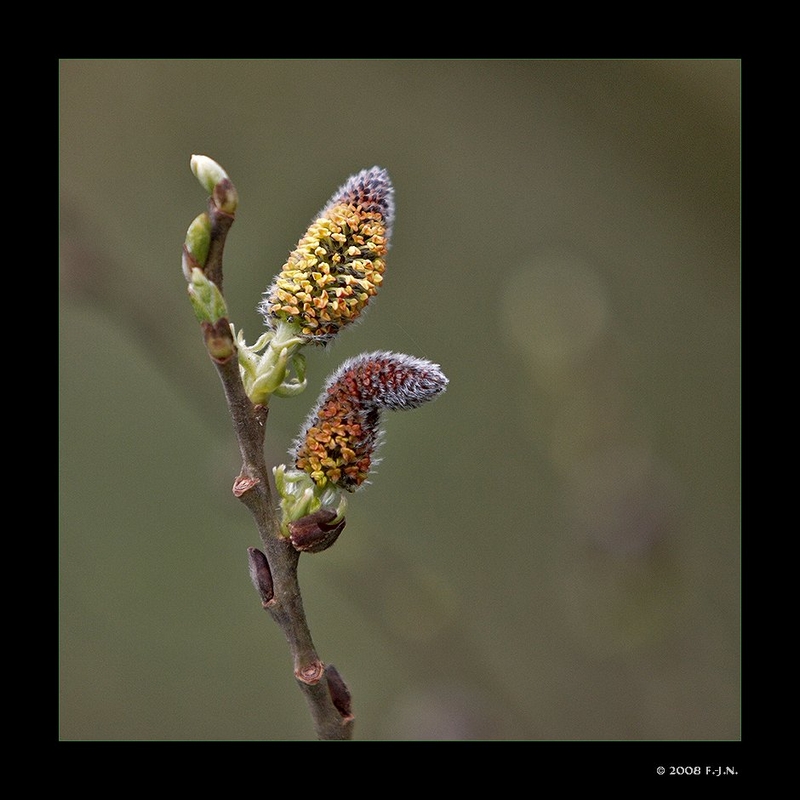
338,265
342,433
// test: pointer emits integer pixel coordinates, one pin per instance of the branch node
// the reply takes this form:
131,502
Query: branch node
310,673
243,484
219,341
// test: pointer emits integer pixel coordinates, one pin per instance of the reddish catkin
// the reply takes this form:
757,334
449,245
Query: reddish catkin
342,433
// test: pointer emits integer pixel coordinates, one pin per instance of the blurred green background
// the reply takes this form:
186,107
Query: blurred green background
551,549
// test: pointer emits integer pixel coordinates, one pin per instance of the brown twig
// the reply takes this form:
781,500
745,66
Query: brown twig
322,685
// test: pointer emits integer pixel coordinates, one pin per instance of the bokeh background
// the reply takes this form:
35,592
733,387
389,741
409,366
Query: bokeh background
550,551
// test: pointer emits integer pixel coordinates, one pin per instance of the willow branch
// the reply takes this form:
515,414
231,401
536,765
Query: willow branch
325,692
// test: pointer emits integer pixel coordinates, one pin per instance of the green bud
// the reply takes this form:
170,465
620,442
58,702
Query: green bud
301,496
216,182
196,244
266,367
207,300
208,172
